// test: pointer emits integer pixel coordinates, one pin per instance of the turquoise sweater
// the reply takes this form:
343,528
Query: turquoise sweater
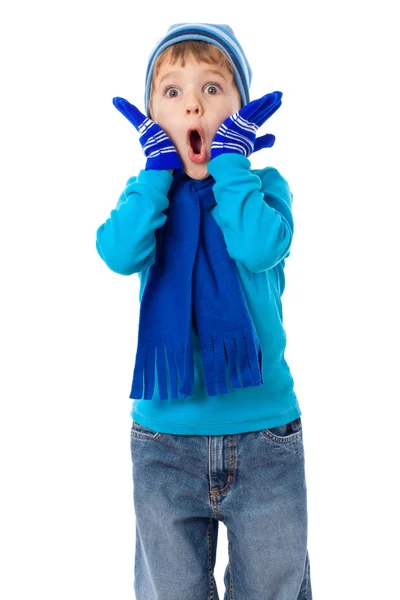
254,212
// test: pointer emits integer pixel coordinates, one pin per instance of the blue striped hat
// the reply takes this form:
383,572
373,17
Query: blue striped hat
221,36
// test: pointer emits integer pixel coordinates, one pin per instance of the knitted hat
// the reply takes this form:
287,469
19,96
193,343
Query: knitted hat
221,36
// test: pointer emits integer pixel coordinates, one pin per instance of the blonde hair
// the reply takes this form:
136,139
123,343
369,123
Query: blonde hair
197,49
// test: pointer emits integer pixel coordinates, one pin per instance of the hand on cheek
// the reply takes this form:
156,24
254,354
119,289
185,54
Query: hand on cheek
237,134
158,148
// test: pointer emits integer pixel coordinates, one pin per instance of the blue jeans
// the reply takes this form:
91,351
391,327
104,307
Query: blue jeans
254,482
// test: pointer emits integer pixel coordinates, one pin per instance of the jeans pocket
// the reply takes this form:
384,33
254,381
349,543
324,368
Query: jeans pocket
290,432
143,432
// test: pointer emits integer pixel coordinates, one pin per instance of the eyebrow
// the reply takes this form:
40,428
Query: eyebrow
175,73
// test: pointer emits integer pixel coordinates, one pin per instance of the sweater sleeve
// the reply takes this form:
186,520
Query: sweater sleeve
254,211
126,241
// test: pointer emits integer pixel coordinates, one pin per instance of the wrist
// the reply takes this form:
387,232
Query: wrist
223,165
159,179
162,163
215,152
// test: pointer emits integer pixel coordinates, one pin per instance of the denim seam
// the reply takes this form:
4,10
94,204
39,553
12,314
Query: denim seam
210,571
231,470
231,592
290,439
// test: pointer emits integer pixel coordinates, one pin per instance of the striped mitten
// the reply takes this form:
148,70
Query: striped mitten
157,146
237,133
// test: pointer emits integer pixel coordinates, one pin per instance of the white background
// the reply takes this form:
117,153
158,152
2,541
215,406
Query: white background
69,324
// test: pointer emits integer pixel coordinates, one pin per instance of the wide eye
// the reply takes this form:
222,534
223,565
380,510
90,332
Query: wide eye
213,86
169,90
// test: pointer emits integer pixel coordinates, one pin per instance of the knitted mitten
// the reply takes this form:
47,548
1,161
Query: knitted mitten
157,147
237,133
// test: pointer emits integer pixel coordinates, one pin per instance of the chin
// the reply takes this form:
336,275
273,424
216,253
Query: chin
197,171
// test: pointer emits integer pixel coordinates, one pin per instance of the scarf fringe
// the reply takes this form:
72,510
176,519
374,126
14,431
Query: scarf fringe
243,349
240,348
180,362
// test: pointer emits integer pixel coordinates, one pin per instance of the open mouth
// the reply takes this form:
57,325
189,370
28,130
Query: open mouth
195,141
196,146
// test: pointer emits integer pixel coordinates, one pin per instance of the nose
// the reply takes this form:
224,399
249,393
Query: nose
193,105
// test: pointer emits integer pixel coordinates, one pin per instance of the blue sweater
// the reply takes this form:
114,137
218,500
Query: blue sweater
254,212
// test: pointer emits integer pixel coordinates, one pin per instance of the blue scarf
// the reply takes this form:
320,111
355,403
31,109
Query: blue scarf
195,282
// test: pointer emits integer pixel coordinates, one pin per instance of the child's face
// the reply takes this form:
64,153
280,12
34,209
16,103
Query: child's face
193,97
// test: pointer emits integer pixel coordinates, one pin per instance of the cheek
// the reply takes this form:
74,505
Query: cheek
168,125
236,105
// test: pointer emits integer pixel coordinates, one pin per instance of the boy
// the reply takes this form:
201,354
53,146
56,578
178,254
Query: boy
216,432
